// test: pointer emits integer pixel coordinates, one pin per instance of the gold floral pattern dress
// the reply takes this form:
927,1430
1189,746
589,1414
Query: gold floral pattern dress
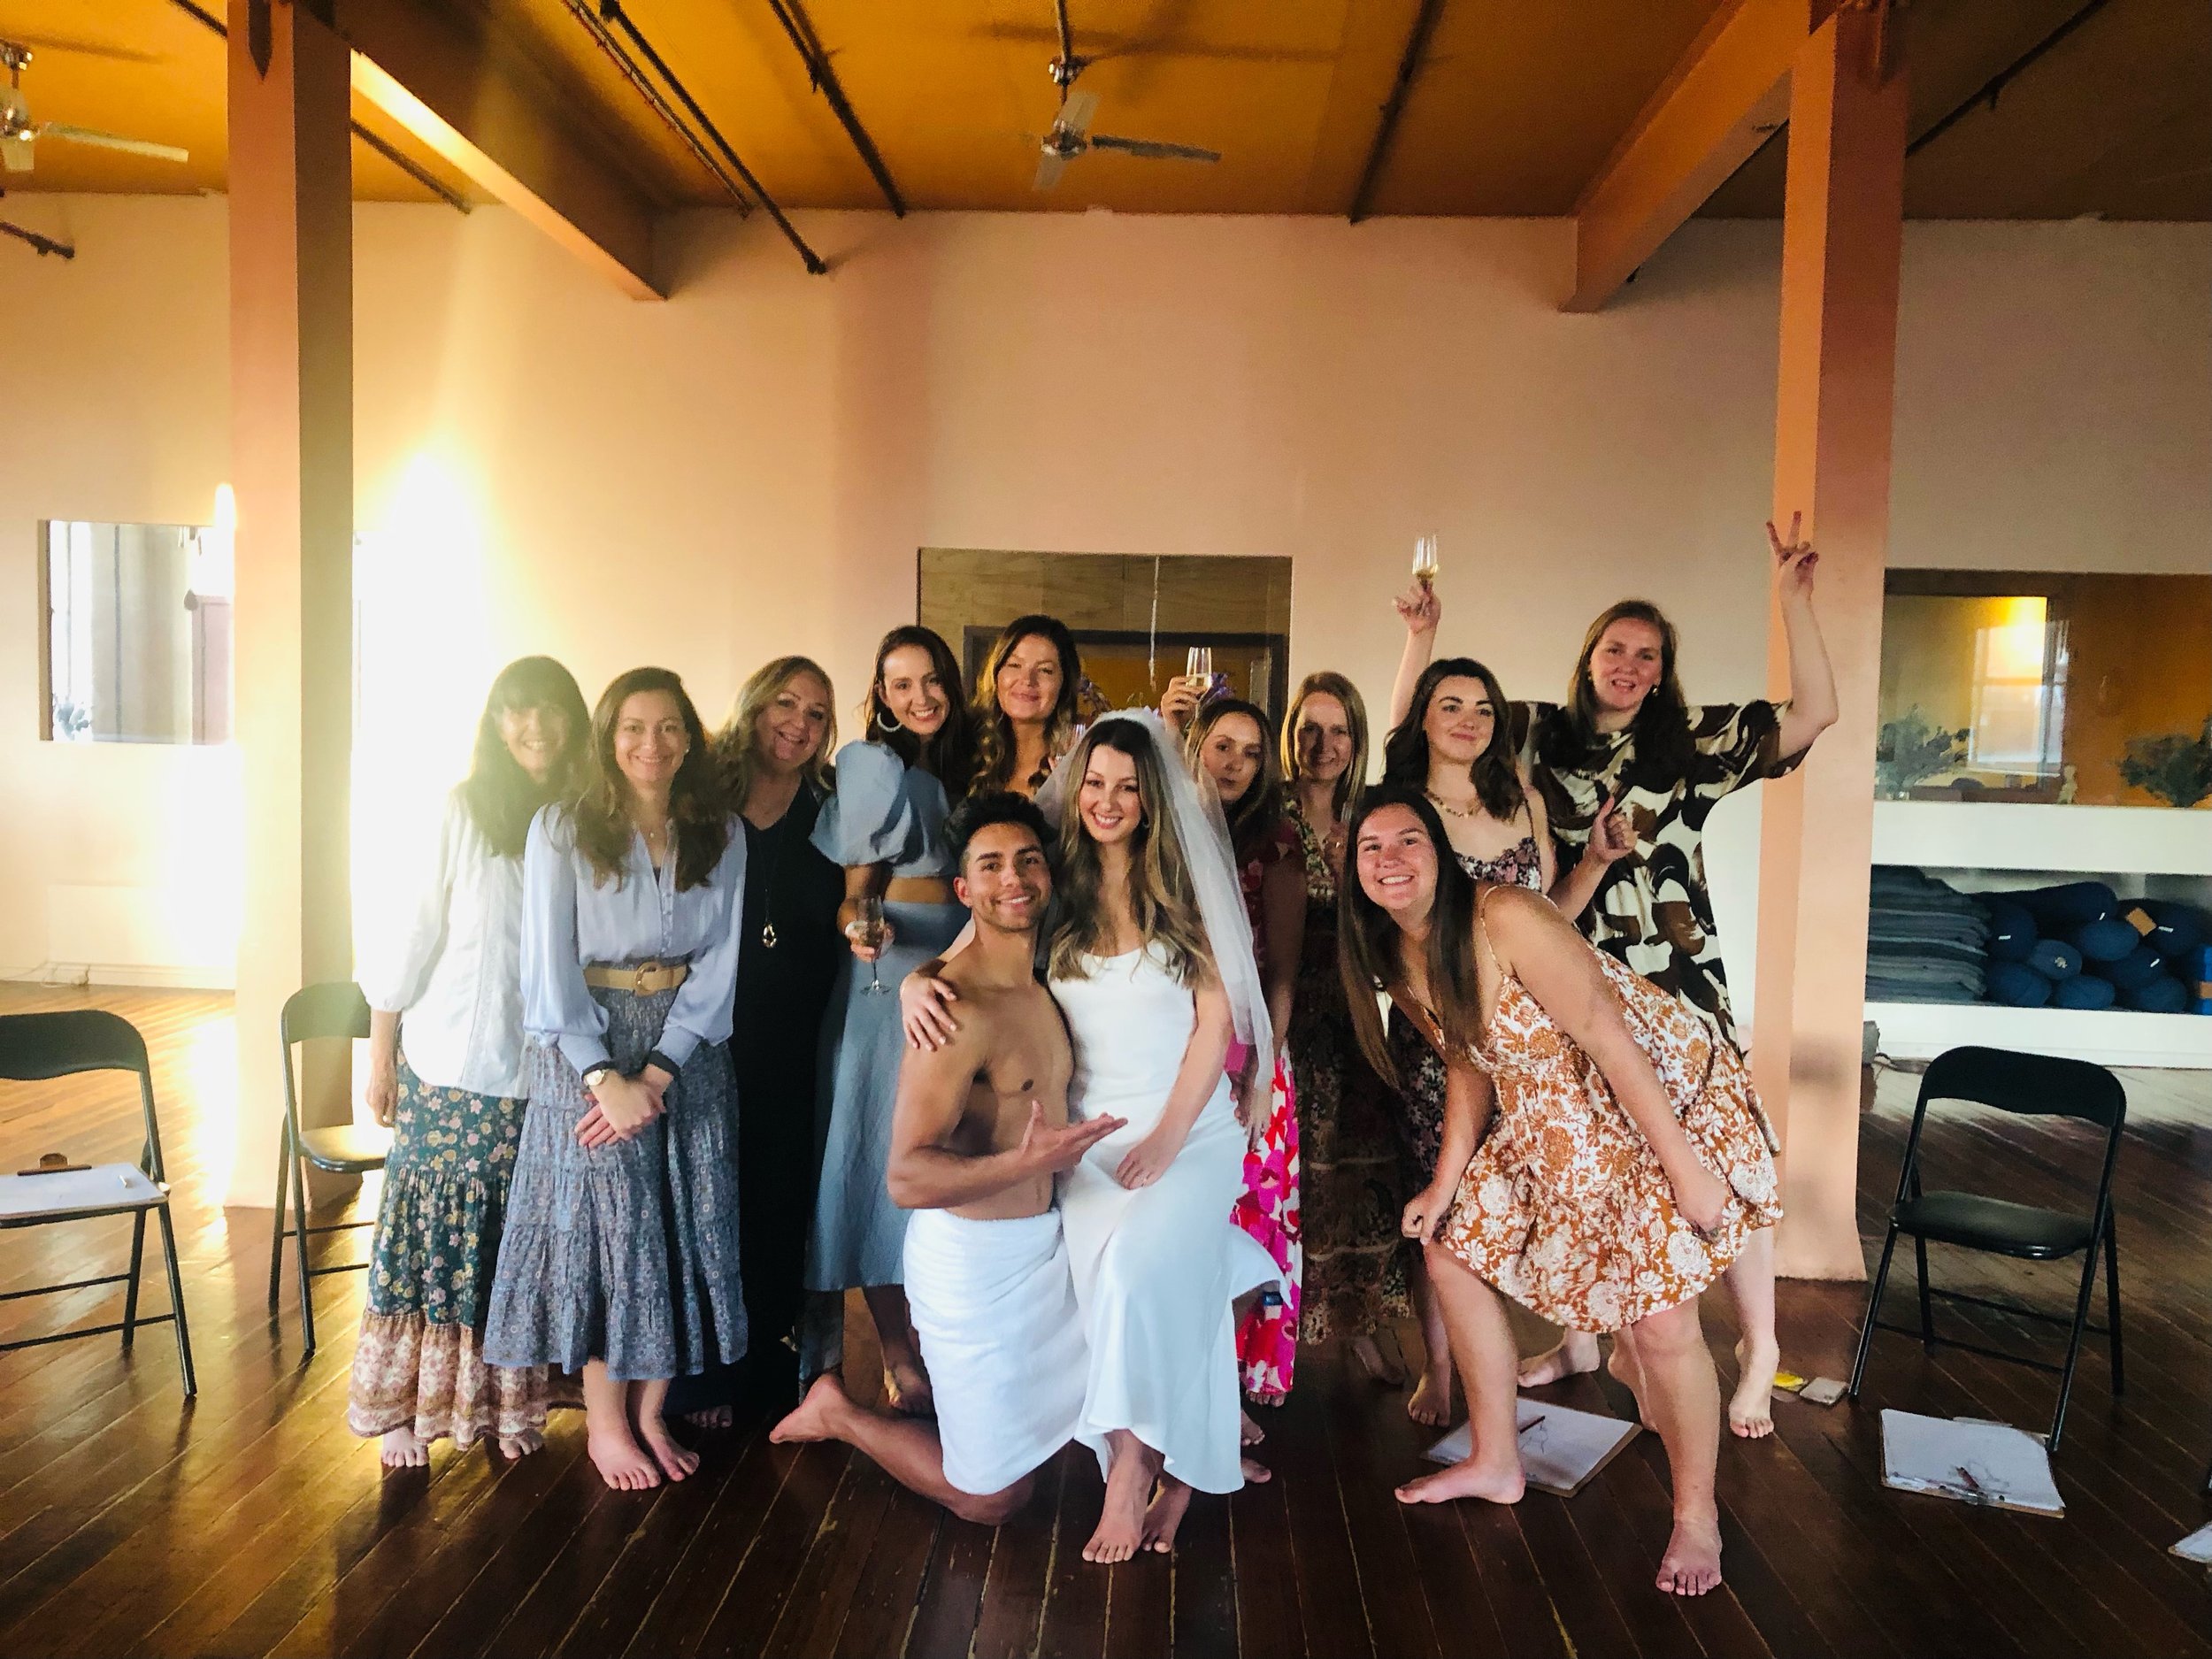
1564,1207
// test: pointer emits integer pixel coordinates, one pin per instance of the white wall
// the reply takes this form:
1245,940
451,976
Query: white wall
750,467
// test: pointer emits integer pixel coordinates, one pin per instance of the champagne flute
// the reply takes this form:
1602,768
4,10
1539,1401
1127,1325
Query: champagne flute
1199,670
1424,562
875,932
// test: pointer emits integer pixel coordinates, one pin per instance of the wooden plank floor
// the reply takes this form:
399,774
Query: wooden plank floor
253,1523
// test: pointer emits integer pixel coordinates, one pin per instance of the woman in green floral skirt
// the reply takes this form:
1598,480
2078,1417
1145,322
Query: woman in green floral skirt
445,1075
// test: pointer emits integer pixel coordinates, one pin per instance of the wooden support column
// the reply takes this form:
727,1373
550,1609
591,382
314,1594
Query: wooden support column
291,396
1841,239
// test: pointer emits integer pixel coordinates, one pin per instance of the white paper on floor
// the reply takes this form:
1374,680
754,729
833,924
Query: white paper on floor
1561,1447
1975,1462
2196,1546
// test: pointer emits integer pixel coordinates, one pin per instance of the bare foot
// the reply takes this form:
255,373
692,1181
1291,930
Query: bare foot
711,1418
1120,1533
675,1459
621,1464
1467,1479
400,1449
1751,1408
521,1445
1692,1563
1577,1354
906,1391
1163,1516
1431,1402
1250,1433
1255,1473
816,1417
1377,1365
1621,1367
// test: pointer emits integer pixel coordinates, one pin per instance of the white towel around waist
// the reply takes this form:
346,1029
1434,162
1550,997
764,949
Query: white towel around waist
994,1308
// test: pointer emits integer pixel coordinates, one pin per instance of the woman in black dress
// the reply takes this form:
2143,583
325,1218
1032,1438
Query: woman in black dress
774,754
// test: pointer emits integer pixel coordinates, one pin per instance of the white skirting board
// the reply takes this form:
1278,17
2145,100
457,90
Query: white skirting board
1921,1030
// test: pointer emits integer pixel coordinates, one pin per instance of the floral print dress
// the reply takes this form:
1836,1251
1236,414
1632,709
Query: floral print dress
1564,1207
1267,1339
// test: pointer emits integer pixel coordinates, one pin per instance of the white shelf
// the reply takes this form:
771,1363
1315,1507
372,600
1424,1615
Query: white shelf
2111,1036
2032,836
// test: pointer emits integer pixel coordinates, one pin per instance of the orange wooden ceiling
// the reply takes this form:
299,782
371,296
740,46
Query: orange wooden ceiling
1517,102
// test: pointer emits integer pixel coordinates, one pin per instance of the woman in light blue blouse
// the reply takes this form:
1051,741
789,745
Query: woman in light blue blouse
620,1258
885,827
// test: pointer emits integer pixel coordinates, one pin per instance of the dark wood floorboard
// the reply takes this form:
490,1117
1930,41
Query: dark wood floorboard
252,1522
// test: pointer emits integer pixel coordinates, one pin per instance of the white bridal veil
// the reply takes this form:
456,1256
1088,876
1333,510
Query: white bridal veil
1204,834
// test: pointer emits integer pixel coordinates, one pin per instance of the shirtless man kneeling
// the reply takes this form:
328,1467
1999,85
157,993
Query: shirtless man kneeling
979,1131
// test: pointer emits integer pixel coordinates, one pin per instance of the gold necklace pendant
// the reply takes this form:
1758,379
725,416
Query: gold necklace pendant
1449,811
768,936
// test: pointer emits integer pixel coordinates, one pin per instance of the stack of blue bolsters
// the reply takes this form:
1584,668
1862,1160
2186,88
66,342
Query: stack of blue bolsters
2080,945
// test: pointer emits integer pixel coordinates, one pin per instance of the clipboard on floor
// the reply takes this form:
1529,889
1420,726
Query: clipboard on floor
1563,1449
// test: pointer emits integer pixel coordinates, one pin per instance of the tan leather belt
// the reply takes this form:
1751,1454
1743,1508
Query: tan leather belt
919,890
644,980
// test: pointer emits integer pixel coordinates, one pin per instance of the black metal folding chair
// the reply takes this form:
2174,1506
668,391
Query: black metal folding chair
334,1009
34,1048
2031,1086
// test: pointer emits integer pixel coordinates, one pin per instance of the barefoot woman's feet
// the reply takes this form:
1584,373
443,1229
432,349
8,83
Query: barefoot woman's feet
400,1449
1751,1408
1692,1563
1249,1432
1256,1473
675,1459
513,1446
816,1415
621,1463
1377,1365
1499,1484
906,1391
1577,1352
1163,1516
1120,1533
711,1418
1431,1402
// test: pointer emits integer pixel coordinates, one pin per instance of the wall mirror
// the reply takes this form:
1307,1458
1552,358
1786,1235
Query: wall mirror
137,646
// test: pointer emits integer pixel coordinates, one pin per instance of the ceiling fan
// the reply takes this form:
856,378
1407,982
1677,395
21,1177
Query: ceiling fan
19,130
1071,135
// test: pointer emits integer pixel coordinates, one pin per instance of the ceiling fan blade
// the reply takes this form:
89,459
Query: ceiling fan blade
15,155
1049,167
1076,113
110,141
1152,150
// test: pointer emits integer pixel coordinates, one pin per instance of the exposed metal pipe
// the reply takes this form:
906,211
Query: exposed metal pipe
824,78
1394,107
654,96
611,9
44,244
398,157
1989,90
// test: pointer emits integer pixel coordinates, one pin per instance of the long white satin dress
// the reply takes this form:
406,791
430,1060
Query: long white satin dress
1157,1268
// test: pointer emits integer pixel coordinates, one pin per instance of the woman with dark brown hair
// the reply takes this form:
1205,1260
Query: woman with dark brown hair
1604,1157
885,827
1027,703
774,755
449,1086
621,1254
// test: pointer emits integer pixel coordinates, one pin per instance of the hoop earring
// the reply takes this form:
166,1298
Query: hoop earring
882,724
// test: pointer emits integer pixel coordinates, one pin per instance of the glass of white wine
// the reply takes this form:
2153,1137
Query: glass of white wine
1425,565
875,932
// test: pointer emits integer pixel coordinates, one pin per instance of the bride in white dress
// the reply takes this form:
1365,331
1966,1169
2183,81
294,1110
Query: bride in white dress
1152,962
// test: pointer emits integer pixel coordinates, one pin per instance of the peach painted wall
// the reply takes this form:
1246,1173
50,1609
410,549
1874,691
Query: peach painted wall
750,467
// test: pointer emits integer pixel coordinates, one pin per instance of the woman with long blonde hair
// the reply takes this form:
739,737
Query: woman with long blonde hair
1027,705
773,753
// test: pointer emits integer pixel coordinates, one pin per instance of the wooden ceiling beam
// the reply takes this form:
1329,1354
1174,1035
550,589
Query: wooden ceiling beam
1727,94
497,123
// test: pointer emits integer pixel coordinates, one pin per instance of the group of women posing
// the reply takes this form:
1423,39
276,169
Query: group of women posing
673,919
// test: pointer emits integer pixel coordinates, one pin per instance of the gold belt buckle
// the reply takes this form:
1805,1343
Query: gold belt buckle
638,976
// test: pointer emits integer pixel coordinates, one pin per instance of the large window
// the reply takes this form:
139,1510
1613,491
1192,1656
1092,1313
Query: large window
138,633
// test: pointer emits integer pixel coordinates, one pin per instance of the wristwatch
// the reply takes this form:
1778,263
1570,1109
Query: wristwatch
593,1075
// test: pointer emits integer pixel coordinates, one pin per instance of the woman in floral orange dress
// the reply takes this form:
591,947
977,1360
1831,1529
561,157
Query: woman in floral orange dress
1626,1159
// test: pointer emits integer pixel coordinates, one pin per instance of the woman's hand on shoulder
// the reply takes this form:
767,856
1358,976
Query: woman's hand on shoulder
925,1000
